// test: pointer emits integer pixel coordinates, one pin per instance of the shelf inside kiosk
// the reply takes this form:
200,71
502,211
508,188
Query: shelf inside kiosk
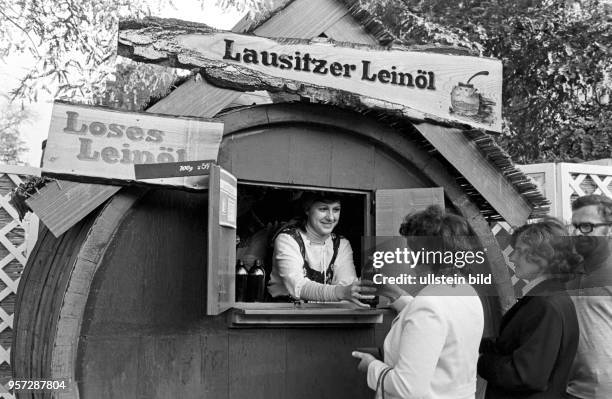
263,210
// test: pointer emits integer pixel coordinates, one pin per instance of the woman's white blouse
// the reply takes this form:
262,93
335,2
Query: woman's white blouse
287,277
432,345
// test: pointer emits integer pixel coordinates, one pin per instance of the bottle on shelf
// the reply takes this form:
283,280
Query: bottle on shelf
242,276
256,285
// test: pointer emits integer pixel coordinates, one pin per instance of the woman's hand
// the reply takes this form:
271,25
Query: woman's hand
391,291
358,290
365,360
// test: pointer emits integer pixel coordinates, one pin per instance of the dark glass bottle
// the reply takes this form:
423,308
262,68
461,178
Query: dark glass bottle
368,274
242,276
372,302
256,286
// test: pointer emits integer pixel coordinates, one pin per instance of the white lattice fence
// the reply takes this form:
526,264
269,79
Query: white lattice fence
580,179
502,232
561,183
16,240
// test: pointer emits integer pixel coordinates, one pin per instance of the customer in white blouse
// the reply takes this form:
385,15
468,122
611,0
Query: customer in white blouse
431,350
310,262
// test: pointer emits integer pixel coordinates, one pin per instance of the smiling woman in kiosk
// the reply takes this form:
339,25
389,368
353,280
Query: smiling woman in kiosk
312,263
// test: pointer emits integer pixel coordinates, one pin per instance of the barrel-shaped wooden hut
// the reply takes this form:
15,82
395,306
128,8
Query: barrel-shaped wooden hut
136,299
118,301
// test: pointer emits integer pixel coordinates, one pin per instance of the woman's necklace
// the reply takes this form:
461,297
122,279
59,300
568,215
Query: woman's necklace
318,239
314,237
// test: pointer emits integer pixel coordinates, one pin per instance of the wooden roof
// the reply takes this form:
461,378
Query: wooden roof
368,22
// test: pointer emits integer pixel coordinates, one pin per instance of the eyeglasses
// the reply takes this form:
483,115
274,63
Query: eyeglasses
586,228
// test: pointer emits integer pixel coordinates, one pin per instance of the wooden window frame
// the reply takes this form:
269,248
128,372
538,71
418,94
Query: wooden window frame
221,281
248,314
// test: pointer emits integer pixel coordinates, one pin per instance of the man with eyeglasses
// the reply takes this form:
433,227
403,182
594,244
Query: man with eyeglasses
591,373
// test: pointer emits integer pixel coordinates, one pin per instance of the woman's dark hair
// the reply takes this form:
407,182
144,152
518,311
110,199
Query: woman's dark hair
436,230
434,222
604,205
550,246
325,197
309,198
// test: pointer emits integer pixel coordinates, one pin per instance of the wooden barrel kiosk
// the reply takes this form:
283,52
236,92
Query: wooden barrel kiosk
116,302
136,299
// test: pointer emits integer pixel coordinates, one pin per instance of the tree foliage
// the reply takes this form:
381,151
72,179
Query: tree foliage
72,43
250,6
134,84
557,61
11,145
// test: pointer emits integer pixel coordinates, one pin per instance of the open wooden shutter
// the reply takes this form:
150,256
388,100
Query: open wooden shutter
393,204
221,259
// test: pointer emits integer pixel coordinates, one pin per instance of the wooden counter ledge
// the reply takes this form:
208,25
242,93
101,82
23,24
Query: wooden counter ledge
261,314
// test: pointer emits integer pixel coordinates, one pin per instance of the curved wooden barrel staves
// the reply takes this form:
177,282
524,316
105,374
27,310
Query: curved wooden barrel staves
53,294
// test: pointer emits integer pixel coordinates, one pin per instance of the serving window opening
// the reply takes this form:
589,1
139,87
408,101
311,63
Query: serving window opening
263,210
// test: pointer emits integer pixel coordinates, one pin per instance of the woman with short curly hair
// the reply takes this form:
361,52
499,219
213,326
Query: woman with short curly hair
532,356
552,248
431,350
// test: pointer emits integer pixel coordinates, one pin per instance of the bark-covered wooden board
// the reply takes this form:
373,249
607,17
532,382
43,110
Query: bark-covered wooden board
420,84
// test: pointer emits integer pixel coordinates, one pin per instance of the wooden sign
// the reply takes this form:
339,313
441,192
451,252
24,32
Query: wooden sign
221,241
102,143
172,169
450,87
228,199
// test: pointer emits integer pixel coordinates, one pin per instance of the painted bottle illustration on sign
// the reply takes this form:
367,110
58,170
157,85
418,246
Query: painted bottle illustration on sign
468,102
